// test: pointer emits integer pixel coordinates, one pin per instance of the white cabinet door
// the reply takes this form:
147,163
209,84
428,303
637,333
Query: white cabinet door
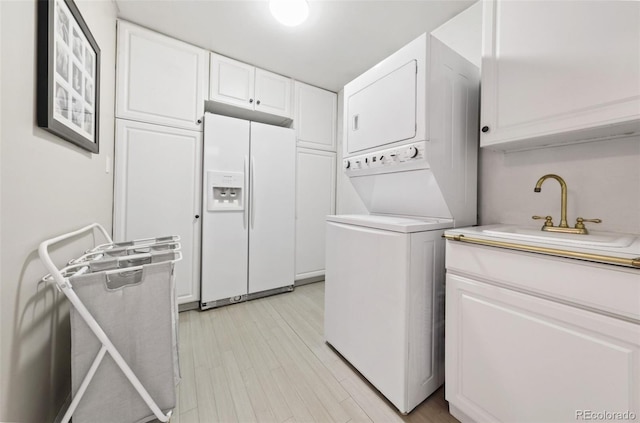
157,192
272,207
159,79
513,357
315,199
273,93
558,72
238,84
232,82
315,117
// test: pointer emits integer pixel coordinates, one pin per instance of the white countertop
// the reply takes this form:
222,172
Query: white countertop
613,244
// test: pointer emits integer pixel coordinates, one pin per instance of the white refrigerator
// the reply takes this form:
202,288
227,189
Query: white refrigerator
248,221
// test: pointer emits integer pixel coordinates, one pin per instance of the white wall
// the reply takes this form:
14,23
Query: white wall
463,33
603,180
48,186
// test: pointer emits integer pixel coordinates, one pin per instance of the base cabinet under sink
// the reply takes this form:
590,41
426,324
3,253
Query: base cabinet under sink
514,355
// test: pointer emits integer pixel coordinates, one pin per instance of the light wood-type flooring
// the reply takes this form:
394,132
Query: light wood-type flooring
266,361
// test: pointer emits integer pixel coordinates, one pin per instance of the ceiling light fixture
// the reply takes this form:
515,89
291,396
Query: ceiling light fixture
289,12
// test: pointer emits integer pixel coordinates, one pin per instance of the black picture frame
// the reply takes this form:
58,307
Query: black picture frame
68,75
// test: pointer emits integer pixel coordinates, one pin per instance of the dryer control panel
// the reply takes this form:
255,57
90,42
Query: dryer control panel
407,157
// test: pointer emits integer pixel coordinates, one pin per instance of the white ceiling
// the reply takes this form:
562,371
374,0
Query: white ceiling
340,40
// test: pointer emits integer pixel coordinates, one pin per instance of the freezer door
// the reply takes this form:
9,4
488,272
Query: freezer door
224,229
272,207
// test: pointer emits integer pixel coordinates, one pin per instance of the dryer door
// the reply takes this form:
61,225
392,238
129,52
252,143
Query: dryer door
385,111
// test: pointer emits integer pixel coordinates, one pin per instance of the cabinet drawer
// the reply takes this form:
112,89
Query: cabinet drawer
607,288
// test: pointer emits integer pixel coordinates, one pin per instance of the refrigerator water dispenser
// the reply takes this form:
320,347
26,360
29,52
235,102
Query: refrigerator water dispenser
225,191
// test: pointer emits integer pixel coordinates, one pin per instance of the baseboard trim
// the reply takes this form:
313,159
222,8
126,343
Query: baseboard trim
307,281
63,410
194,305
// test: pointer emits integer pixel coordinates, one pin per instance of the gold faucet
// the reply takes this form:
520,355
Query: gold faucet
563,198
563,226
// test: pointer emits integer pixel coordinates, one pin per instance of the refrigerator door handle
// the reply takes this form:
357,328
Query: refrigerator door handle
253,207
245,215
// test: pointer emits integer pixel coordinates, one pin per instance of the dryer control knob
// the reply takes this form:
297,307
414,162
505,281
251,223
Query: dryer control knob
412,152
347,164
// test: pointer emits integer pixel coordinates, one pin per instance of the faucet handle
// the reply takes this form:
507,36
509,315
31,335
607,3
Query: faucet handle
580,222
547,220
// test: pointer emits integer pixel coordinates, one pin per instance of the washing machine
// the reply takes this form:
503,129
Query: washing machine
385,313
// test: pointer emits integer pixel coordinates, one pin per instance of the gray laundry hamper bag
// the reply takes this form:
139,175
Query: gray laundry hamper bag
136,311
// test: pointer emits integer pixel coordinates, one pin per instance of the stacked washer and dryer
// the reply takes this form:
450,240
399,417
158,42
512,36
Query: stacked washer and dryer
410,142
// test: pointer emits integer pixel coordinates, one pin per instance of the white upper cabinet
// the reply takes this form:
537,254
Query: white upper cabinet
243,86
315,117
558,72
273,93
159,79
232,82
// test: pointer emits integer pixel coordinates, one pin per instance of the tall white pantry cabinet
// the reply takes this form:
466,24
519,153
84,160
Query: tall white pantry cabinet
315,123
161,87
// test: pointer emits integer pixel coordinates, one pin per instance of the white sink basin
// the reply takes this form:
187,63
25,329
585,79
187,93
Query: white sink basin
593,239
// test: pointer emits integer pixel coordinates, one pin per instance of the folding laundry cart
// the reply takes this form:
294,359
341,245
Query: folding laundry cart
123,327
